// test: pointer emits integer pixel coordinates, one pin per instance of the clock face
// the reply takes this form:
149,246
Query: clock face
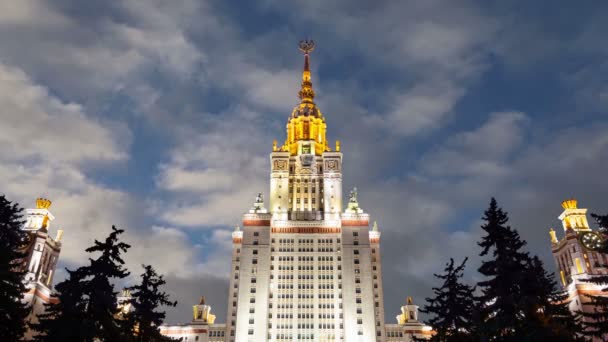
591,240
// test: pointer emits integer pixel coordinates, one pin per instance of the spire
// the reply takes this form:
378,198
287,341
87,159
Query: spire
306,94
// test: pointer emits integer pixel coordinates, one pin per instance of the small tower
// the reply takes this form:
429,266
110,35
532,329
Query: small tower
201,328
41,256
409,312
409,325
202,313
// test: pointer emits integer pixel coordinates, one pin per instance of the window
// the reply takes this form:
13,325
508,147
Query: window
256,233
254,261
255,252
355,233
356,251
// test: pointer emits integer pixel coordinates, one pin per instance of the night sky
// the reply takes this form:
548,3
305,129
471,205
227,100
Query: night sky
158,116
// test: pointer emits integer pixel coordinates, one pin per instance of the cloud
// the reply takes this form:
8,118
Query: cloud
483,152
209,177
41,126
105,51
420,108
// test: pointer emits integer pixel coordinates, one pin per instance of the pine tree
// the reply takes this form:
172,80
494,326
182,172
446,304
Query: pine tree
13,311
501,293
452,307
88,309
596,323
147,297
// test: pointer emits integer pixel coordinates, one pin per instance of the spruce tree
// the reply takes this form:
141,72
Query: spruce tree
88,309
146,298
520,300
452,307
501,293
65,320
13,311
544,306
596,323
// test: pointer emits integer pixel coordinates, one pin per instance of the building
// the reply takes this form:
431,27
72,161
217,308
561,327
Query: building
42,252
304,269
576,256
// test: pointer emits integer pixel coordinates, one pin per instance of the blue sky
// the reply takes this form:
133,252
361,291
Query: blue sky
159,116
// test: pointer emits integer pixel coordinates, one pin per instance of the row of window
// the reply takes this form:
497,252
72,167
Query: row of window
309,241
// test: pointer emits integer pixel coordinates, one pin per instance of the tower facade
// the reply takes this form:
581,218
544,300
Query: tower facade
42,253
576,256
304,268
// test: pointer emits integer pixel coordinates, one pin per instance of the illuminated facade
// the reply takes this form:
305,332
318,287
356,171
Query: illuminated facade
42,253
304,269
576,256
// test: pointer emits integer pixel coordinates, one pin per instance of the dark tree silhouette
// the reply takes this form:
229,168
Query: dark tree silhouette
546,312
501,293
519,301
65,320
596,323
146,298
452,307
88,309
13,311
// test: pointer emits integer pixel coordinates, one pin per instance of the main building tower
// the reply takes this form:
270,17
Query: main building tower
303,269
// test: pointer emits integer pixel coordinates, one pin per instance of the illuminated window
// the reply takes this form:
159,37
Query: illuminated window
579,267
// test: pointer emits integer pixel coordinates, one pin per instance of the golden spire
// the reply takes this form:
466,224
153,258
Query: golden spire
306,122
306,94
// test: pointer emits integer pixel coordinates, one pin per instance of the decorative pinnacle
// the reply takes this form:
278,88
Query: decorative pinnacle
306,46
43,203
569,204
306,94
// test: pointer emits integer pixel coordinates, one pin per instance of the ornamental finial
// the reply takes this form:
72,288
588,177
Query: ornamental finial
306,94
306,46
43,203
